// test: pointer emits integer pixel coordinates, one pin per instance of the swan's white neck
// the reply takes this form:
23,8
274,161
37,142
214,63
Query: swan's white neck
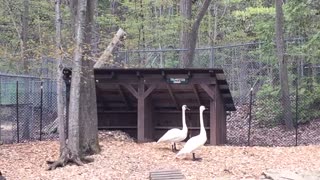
202,130
184,125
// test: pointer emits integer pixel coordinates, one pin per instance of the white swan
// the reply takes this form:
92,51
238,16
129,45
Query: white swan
176,135
197,141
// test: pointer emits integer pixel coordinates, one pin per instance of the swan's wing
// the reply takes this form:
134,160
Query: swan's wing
171,135
192,144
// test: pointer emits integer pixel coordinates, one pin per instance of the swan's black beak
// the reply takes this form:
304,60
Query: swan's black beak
187,108
206,108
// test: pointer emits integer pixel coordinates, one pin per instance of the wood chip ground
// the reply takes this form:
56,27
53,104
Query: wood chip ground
122,158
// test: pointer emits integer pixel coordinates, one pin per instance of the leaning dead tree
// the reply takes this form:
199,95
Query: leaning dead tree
106,58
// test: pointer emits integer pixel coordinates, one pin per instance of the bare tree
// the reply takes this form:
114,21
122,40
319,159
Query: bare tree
285,99
88,106
60,105
74,147
189,32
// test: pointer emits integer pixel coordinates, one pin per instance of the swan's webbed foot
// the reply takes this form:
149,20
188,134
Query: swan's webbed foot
174,148
194,157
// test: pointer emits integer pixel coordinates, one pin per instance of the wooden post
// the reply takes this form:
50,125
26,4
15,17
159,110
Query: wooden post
220,116
149,125
144,110
215,113
145,124
223,125
214,124
141,112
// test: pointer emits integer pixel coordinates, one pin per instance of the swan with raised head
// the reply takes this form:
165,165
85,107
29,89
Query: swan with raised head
197,141
176,135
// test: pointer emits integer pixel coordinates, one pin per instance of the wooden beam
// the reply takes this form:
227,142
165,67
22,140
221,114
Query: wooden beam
150,80
225,86
141,113
124,97
214,123
226,96
208,90
221,118
131,89
166,174
150,89
145,124
220,76
117,111
104,101
117,127
196,93
173,97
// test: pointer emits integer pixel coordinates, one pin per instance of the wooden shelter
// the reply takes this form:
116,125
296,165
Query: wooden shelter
147,102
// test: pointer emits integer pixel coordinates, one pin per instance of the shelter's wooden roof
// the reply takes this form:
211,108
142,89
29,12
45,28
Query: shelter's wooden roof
196,74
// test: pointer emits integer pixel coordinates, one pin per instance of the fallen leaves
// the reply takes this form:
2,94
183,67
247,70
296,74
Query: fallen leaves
238,128
122,158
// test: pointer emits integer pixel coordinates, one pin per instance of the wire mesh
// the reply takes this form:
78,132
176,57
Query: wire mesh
251,65
254,65
25,110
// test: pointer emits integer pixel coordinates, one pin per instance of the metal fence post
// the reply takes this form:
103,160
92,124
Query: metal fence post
17,109
0,105
297,104
250,116
41,103
212,57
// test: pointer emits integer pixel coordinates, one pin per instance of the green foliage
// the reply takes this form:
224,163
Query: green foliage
157,25
254,11
269,110
268,107
309,102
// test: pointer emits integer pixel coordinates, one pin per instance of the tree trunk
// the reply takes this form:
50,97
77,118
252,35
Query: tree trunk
24,35
60,108
88,106
185,38
189,34
285,99
215,27
73,5
74,107
24,58
72,152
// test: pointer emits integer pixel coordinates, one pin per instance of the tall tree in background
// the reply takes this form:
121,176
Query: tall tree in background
189,32
285,99
24,35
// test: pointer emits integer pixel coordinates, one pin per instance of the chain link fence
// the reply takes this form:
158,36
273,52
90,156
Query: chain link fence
27,107
255,66
27,111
